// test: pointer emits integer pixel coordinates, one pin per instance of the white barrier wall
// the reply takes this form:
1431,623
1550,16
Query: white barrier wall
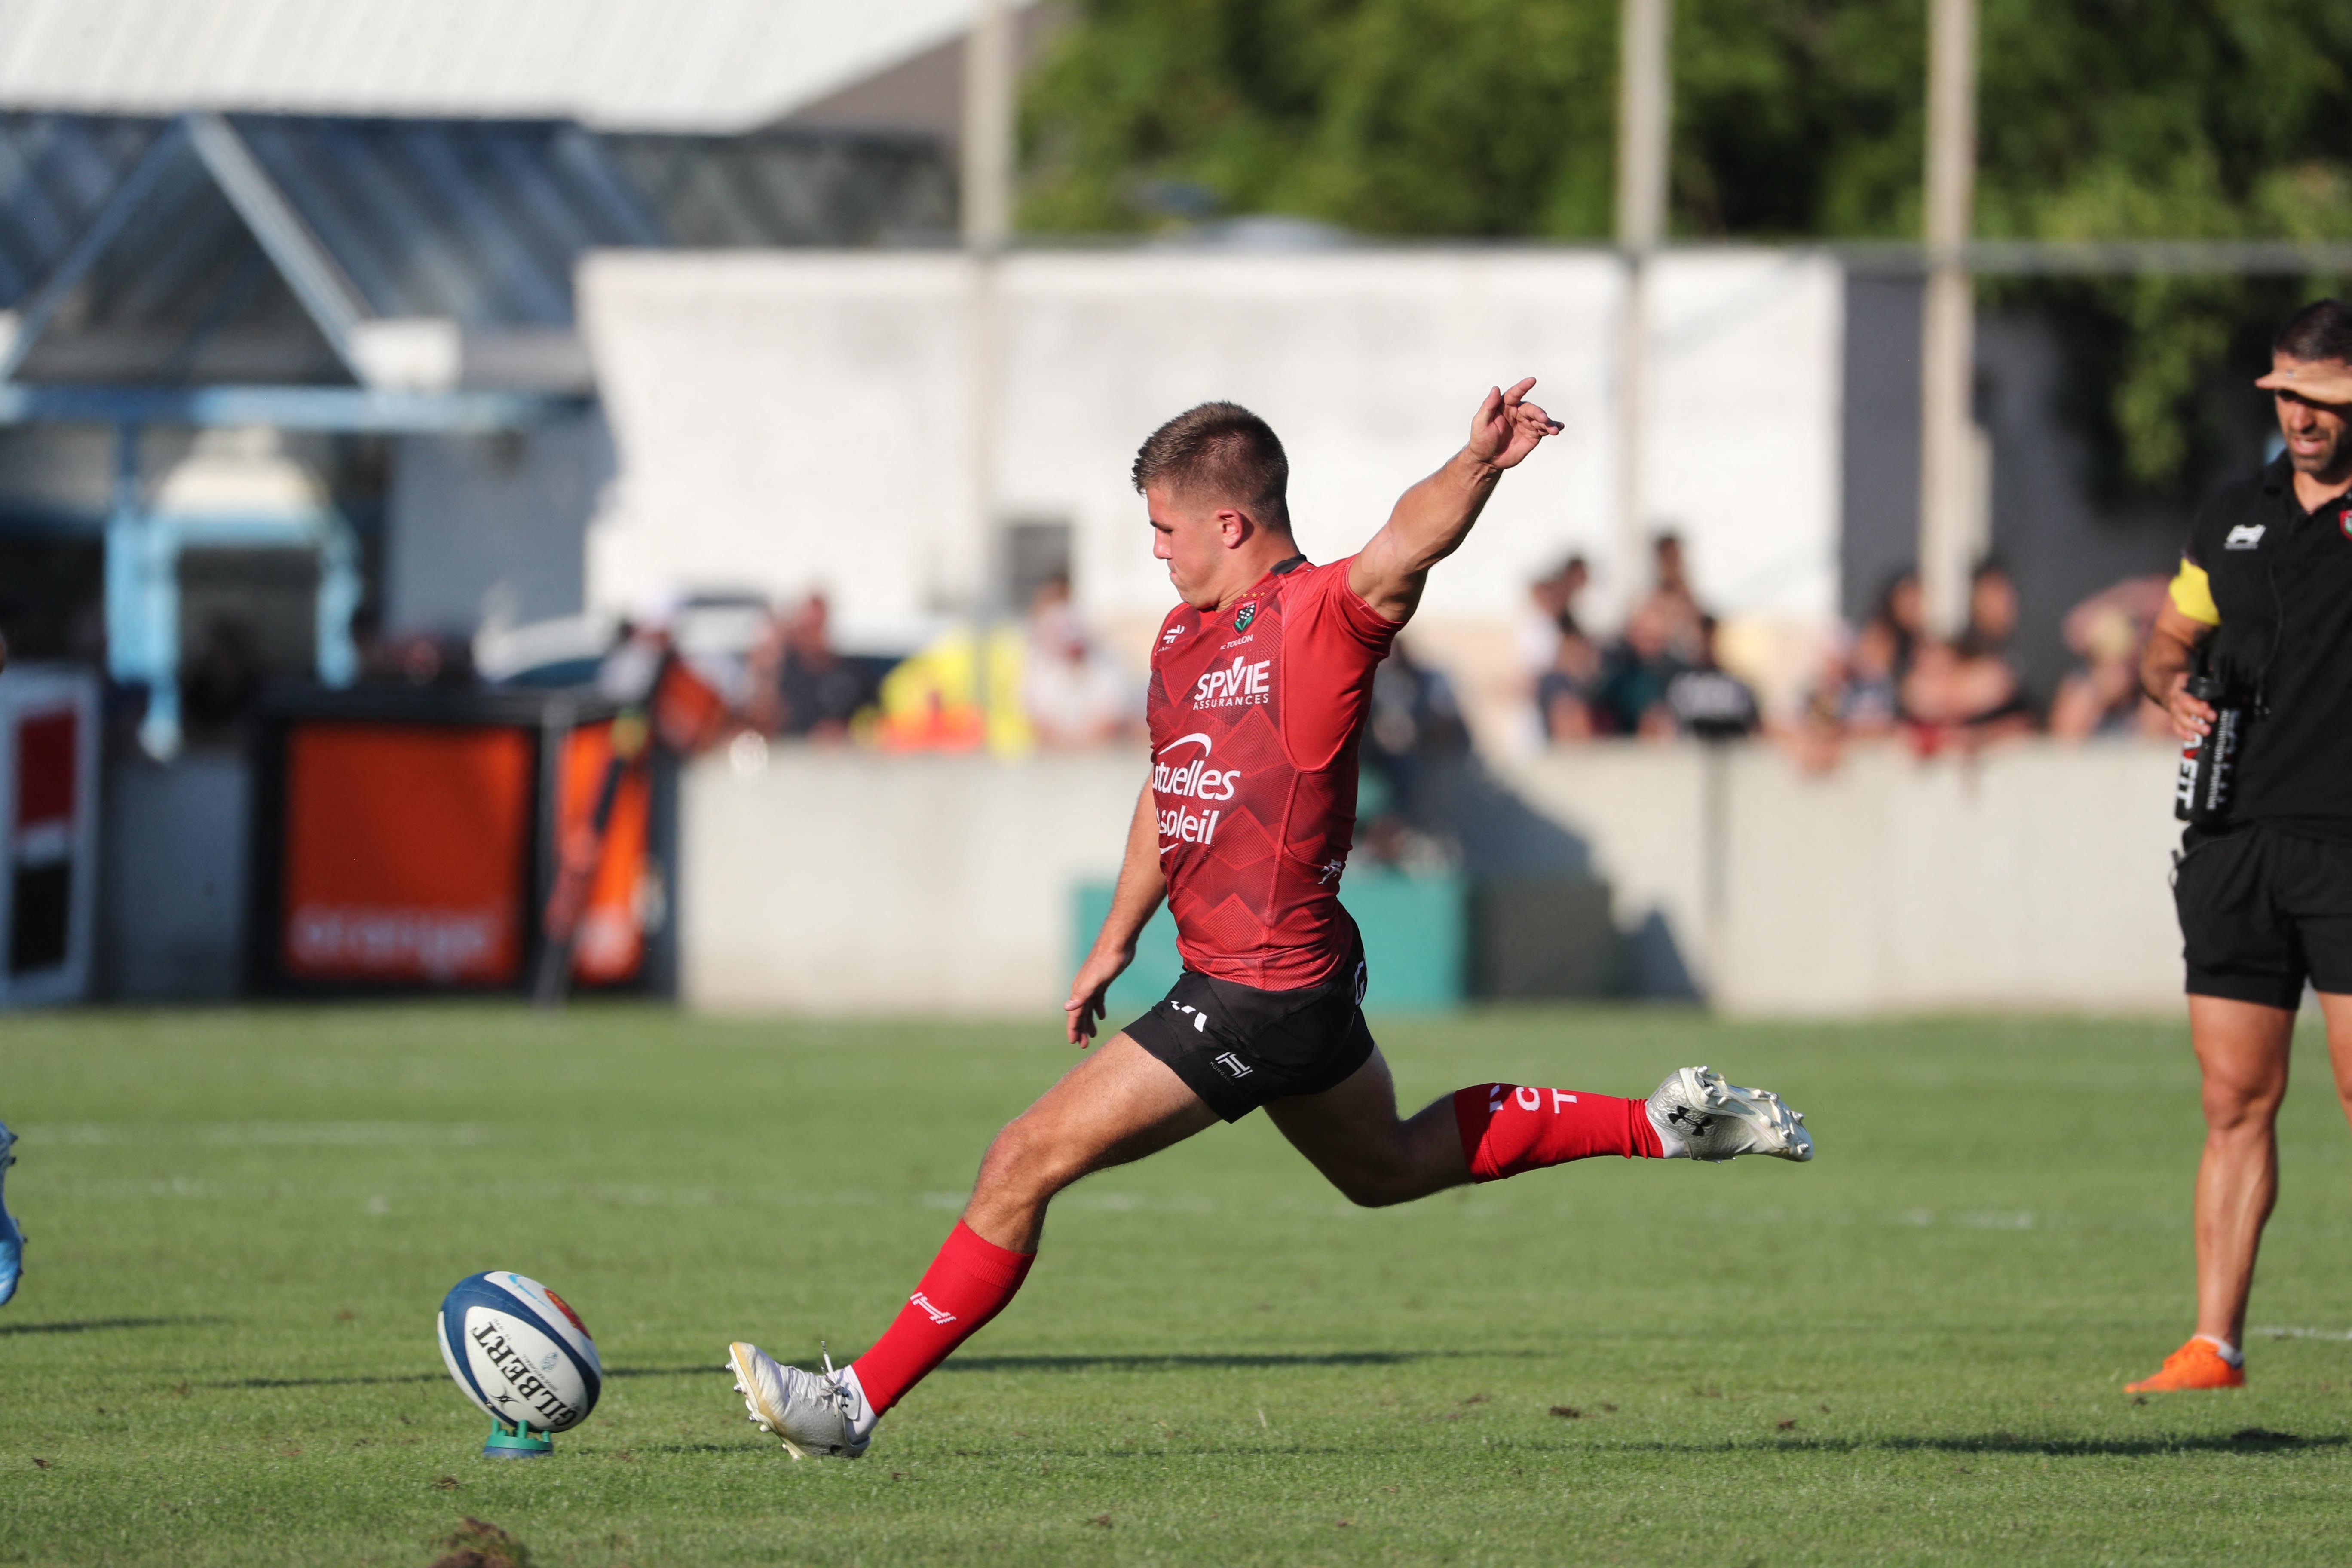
789,421
2033,878
844,881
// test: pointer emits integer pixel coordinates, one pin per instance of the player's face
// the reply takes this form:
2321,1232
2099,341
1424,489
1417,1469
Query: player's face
1190,537
2316,432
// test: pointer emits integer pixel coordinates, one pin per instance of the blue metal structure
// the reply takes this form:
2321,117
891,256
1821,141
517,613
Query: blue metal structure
356,276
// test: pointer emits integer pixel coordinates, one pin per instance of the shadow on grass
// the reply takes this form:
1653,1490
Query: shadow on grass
1236,1360
92,1325
610,1372
700,1369
2251,1440
325,1381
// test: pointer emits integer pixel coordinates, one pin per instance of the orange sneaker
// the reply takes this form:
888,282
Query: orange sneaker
2196,1364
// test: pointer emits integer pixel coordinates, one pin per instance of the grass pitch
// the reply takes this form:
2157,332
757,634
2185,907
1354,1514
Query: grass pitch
1909,1351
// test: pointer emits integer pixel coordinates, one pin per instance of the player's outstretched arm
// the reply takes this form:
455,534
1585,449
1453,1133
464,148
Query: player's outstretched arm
1132,905
1431,519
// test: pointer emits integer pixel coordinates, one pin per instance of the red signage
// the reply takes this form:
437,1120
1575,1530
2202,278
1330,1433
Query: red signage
405,851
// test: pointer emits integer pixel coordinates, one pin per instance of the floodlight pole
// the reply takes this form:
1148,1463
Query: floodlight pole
986,200
1644,129
1954,530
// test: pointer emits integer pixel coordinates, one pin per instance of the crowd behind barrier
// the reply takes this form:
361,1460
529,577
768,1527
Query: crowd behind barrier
1045,680
1661,676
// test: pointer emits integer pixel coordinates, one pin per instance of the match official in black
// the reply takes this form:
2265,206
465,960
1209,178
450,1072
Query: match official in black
2259,618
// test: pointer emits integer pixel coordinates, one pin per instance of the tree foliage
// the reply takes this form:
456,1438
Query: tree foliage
1793,120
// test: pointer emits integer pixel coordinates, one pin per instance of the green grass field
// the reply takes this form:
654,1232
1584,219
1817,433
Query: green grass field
1908,1352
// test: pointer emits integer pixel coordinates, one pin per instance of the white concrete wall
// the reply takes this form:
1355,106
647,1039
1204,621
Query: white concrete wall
787,421
843,881
2034,877
174,901
493,527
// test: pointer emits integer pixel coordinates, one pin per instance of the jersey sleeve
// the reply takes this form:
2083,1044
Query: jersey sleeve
2193,593
1334,641
2192,586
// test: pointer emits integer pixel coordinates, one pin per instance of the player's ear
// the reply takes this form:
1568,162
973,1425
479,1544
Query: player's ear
1233,527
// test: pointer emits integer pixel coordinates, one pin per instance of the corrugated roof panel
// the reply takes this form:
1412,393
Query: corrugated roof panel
56,173
476,222
717,65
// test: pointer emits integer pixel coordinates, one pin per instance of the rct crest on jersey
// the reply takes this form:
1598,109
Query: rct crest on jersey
1244,615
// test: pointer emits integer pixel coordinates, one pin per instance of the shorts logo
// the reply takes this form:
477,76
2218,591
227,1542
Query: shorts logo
939,1317
1200,1019
2245,536
1244,615
1235,1066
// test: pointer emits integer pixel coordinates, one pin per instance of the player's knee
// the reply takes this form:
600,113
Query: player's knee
1026,1163
2239,1104
1374,1186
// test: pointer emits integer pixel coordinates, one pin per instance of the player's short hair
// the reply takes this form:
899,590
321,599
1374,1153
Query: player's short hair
2321,330
1223,452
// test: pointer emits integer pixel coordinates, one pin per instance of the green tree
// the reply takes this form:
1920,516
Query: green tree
1794,119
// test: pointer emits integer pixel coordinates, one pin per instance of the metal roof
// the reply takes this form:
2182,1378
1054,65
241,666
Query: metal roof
268,248
714,64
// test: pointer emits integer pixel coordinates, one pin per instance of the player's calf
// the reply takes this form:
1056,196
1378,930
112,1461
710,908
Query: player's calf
1507,1128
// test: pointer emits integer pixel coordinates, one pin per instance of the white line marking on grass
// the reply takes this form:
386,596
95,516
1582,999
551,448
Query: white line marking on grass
265,1134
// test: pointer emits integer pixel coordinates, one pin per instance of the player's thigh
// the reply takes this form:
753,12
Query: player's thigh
2241,1053
1119,1103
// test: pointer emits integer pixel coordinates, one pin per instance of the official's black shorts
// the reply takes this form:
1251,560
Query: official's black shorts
2261,912
1238,1047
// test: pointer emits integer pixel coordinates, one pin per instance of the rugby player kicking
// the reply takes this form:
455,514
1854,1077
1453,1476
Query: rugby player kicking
1260,683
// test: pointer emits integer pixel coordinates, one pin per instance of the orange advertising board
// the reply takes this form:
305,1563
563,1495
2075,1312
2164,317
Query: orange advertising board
406,852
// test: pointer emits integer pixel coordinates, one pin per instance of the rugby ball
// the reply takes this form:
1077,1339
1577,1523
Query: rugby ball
519,1351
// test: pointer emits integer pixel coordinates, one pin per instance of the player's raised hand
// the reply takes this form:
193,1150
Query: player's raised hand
1507,427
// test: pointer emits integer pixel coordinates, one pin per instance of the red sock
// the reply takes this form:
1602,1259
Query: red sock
1508,1128
967,1284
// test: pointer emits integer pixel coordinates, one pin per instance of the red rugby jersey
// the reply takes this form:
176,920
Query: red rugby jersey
1256,711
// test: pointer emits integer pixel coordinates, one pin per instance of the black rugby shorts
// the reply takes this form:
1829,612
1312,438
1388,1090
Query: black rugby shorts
1238,1047
2261,911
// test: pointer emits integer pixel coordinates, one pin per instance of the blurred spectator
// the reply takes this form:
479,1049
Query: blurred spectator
1552,614
1074,693
1867,702
1968,693
417,658
1415,725
1857,693
1564,693
2103,696
1709,701
816,692
220,684
1671,601
1561,662
1631,696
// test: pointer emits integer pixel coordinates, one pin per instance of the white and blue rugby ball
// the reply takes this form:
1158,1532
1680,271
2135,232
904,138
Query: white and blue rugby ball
519,1351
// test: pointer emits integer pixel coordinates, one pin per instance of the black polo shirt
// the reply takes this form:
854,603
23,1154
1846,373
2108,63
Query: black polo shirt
2281,581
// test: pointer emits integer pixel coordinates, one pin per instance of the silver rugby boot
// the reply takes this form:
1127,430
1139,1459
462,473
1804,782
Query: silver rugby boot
1712,1120
813,1414
12,1235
